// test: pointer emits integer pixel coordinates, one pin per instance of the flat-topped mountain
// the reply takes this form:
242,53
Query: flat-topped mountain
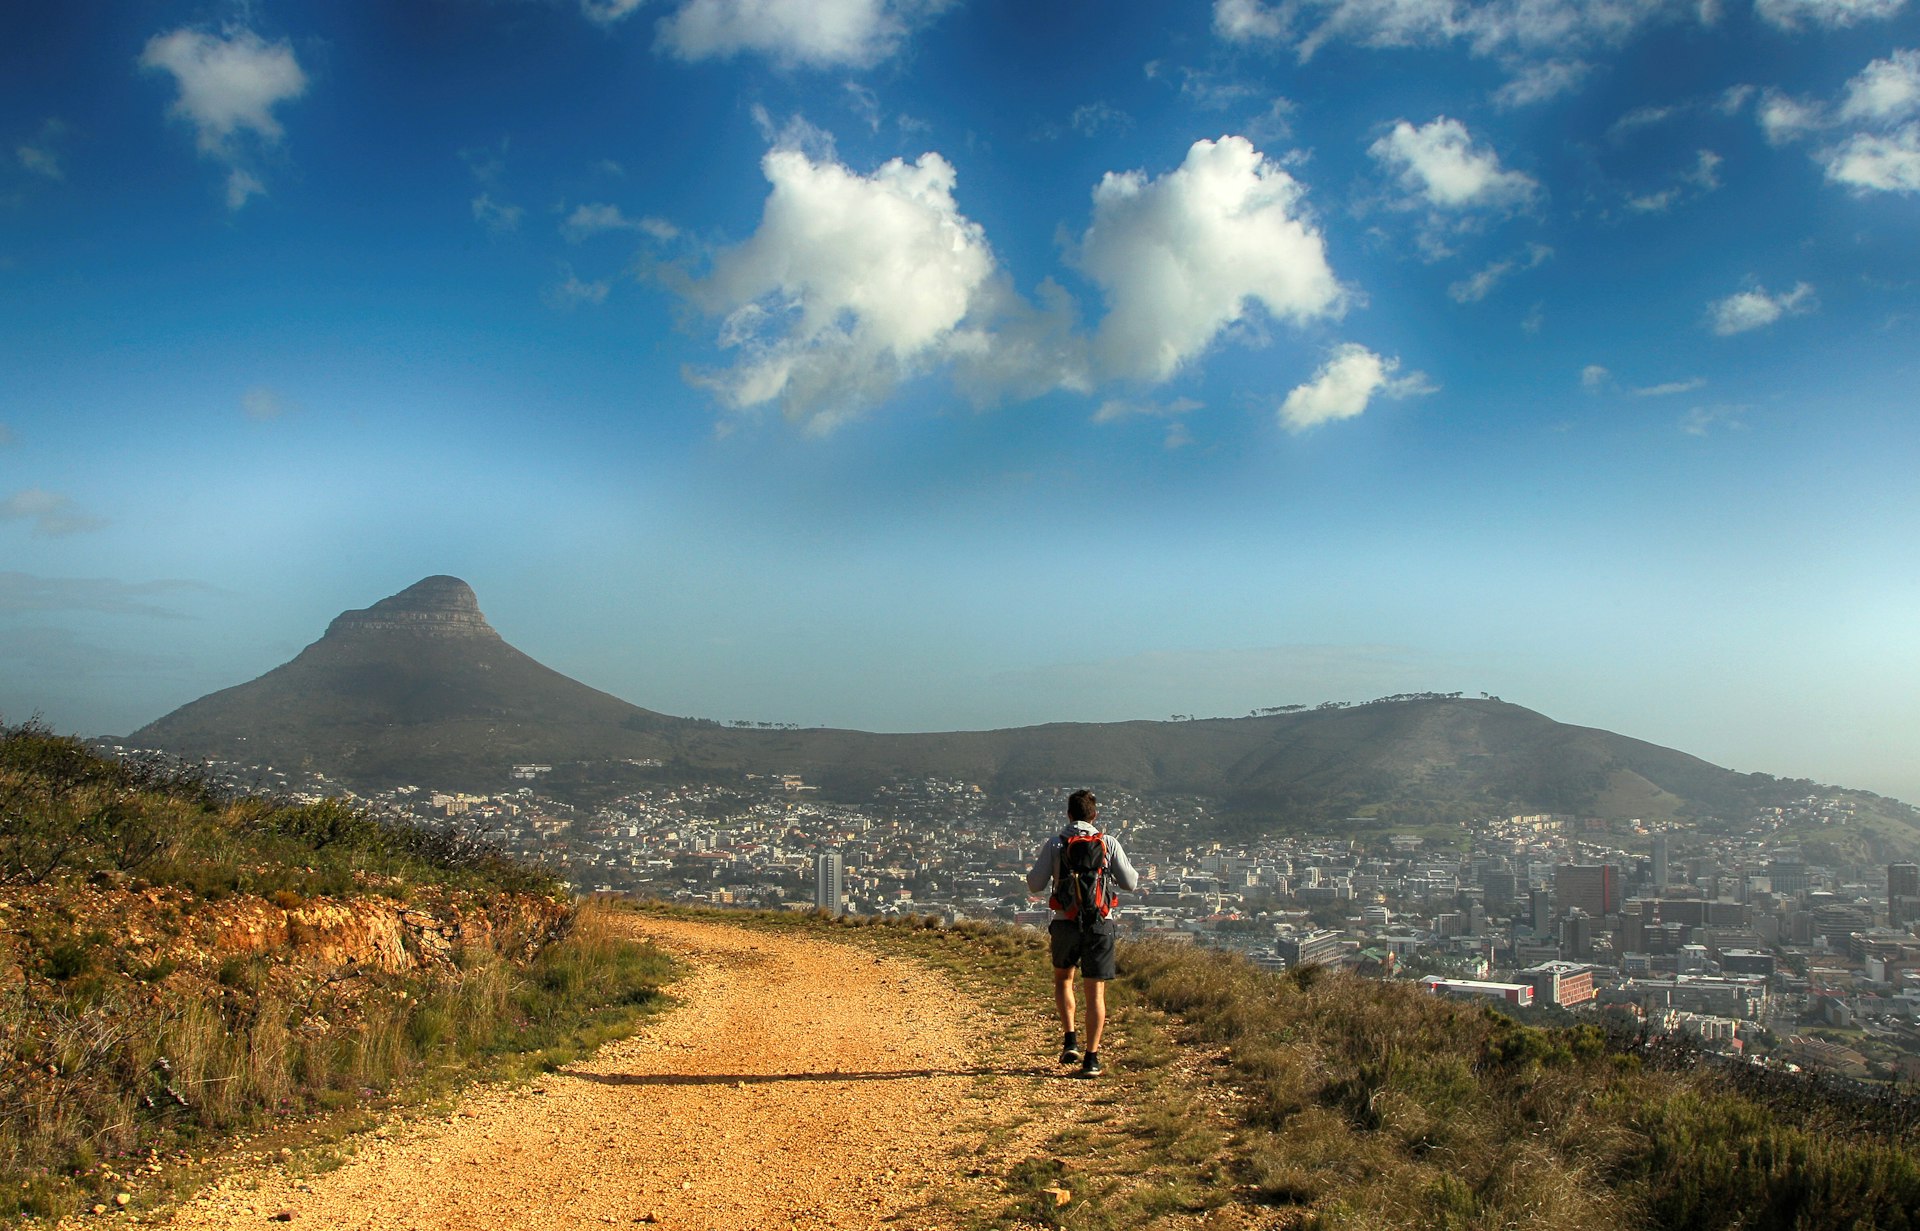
419,688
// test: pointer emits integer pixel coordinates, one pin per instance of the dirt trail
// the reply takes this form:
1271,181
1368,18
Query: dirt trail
800,1083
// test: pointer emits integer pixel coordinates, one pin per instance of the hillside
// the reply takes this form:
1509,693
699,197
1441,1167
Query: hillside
420,688
179,966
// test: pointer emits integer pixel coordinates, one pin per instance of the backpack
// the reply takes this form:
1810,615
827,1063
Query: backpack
1080,889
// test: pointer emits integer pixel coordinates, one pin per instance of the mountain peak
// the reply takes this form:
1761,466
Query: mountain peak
438,606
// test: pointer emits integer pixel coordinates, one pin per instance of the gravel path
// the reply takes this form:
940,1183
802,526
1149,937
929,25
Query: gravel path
799,1083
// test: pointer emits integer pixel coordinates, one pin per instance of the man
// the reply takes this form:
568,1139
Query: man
1086,943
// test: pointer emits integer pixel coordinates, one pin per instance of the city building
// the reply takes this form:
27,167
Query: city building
1560,983
1903,894
1593,888
829,883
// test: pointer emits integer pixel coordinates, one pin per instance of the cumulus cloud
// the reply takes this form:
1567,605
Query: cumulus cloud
1478,286
1594,378
809,33
1873,137
51,515
1877,162
1241,21
1439,164
1885,90
851,284
1756,309
1181,257
1785,119
1344,386
229,85
1830,14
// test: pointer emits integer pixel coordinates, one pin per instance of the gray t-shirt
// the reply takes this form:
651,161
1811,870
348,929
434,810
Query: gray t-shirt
1046,865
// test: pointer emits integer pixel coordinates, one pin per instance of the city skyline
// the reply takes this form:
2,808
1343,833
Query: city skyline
926,365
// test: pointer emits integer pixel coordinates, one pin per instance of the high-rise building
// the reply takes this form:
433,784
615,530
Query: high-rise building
1659,861
1540,911
829,883
1903,894
1593,888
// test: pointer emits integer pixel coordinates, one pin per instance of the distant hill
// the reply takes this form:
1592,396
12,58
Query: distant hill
419,688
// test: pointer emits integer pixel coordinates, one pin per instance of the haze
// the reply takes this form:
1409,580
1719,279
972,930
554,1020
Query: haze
915,364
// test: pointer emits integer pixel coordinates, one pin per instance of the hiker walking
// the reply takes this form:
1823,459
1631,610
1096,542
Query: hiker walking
1082,865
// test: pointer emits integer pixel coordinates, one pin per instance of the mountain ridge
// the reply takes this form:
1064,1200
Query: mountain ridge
420,688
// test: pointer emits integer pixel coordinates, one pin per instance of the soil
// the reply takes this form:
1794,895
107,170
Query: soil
797,1083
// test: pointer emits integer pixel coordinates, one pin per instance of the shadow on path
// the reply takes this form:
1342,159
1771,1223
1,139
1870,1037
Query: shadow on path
752,1079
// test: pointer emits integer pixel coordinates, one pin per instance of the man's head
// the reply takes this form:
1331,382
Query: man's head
1082,806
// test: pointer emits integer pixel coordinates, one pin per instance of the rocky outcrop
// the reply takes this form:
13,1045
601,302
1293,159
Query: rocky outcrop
439,606
383,934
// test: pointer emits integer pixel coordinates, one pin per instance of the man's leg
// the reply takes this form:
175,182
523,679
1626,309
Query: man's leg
1096,1011
1063,996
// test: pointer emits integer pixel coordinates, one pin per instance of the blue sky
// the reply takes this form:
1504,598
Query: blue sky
922,364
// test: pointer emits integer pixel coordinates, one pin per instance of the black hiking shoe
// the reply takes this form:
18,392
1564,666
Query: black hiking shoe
1070,1054
1090,1067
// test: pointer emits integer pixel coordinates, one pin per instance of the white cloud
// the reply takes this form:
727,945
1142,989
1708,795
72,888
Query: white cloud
571,292
1182,257
1439,164
1475,288
608,12
242,186
1240,21
1756,309
228,85
1344,386
1877,162
1671,387
587,221
851,284
1594,378
1885,90
1784,118
52,515
1536,83
1832,14
496,216
811,33
1538,40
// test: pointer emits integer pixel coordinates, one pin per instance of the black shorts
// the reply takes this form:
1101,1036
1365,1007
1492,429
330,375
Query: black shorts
1091,951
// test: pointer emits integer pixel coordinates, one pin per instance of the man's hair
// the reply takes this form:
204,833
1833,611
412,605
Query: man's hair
1081,805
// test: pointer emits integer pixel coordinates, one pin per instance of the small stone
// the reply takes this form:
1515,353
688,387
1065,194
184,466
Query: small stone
1060,1195
121,1199
99,1209
280,1216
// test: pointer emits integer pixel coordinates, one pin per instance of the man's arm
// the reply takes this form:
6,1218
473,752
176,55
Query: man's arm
1120,866
1040,875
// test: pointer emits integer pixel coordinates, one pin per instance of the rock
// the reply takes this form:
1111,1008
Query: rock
1060,1195
121,1199
99,1209
280,1216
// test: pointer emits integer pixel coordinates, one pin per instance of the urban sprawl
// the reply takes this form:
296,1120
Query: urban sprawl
1728,933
